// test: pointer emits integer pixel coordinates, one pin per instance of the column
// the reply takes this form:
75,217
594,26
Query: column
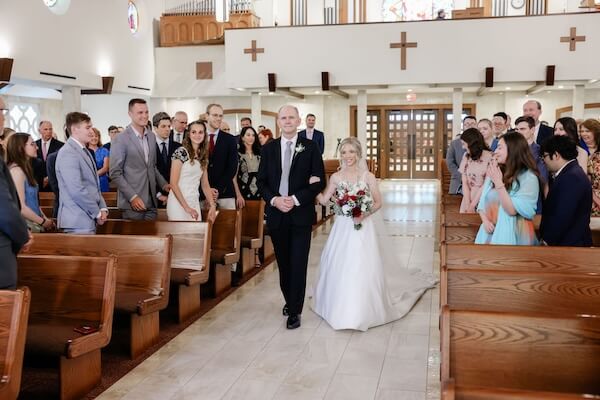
361,119
457,107
256,110
578,101
71,97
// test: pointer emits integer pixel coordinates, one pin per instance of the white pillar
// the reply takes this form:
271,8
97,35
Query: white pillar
578,101
71,101
457,107
256,110
361,118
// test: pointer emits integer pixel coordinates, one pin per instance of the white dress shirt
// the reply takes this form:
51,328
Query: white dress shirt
309,133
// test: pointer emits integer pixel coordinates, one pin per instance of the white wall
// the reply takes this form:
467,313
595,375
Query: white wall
91,38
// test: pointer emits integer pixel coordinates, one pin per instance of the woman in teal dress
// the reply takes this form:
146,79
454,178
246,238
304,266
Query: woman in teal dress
510,193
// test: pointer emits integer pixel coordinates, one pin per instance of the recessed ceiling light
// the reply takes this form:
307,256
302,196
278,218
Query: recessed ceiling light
271,93
500,93
561,87
410,90
260,93
508,88
317,92
548,91
240,89
593,80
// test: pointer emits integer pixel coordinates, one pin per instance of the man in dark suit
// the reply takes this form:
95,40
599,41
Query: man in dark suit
46,146
14,234
165,145
313,134
533,109
179,124
112,132
222,160
567,208
286,166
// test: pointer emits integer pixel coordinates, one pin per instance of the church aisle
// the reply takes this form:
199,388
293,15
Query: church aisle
242,350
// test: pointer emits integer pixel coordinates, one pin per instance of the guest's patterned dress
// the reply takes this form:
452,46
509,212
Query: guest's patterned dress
247,175
475,171
594,173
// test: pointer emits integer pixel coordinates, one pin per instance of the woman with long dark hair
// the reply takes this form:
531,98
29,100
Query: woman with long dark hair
249,160
473,168
510,194
567,126
188,174
20,151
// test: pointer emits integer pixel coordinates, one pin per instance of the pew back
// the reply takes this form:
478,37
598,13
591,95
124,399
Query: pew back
521,351
47,199
253,215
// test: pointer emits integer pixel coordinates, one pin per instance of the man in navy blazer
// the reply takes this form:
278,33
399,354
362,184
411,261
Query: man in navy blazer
313,134
165,144
46,145
81,204
14,234
567,208
222,160
533,109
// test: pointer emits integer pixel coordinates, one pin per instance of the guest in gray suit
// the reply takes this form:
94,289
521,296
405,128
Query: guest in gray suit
133,167
454,156
81,205
14,235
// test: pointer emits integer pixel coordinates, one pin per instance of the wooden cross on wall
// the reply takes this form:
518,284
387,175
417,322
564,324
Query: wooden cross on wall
253,50
403,45
572,39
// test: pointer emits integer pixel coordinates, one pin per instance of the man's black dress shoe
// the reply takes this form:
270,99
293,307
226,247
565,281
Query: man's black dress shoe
285,311
293,322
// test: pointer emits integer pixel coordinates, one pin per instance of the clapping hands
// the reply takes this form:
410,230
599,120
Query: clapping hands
495,173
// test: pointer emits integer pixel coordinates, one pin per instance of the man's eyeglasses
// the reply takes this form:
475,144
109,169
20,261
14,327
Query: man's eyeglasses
4,111
543,156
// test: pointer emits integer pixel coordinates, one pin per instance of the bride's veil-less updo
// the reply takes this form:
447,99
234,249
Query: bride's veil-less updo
361,163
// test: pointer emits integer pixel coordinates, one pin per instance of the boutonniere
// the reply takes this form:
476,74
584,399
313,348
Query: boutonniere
299,148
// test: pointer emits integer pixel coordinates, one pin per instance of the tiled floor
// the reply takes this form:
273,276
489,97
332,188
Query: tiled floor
242,350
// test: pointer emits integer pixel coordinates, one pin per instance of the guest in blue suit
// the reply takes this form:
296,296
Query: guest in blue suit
313,134
567,208
81,203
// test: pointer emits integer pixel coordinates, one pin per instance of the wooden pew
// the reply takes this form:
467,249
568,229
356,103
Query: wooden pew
191,250
14,312
450,392
253,215
143,272
545,280
225,250
69,293
521,351
47,199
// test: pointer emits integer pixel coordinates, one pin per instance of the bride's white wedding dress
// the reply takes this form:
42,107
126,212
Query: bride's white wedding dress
352,291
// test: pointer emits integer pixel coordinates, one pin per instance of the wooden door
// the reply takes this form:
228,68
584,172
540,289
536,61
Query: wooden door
399,146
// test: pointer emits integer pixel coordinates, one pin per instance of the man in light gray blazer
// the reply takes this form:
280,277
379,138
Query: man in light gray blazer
454,156
81,205
133,166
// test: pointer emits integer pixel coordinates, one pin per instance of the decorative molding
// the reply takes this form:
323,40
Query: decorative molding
6,65
333,89
204,70
107,85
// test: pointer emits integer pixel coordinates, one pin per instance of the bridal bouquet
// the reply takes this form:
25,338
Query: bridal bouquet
352,200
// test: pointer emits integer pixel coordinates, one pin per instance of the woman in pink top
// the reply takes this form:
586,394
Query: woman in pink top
473,168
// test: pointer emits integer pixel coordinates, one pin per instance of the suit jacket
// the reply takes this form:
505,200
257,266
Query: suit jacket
80,197
165,169
544,133
39,165
13,229
454,156
130,172
305,163
318,138
53,181
567,209
223,165
172,135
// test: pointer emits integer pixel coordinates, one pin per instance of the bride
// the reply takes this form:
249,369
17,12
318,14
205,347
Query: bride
352,292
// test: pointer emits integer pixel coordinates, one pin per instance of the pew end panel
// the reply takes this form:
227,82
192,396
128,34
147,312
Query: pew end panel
14,313
252,233
70,293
